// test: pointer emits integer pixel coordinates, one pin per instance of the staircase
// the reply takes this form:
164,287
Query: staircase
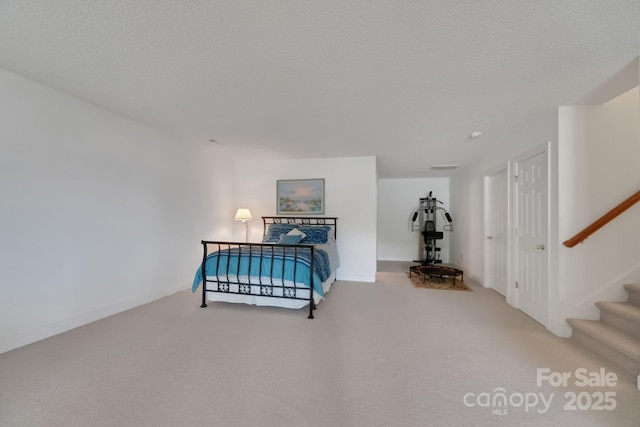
616,336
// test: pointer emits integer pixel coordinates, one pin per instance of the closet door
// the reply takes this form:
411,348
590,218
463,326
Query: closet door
497,232
531,237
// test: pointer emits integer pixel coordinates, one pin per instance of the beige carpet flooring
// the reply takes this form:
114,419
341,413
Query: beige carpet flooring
383,354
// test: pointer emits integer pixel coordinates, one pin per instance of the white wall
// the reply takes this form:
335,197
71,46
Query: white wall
467,196
350,195
467,242
594,154
599,154
398,199
98,213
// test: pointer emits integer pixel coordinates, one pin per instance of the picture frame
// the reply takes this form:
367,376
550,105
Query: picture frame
300,196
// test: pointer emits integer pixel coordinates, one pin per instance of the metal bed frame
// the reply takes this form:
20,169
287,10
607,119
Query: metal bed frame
263,288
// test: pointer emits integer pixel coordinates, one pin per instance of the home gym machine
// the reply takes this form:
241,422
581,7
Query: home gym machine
426,213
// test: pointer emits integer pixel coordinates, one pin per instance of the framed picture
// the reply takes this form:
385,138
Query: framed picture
300,196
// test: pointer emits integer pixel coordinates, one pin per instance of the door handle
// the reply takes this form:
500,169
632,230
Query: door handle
541,247
489,237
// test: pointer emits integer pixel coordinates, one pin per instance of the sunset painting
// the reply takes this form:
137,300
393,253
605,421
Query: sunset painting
300,196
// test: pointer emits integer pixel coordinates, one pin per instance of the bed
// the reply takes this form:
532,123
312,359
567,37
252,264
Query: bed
294,266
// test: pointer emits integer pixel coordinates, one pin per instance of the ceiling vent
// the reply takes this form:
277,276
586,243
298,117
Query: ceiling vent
443,167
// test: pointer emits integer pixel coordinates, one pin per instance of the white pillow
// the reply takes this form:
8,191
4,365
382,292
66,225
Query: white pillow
332,235
297,232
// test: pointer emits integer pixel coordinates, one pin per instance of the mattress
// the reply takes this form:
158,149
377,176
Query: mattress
268,301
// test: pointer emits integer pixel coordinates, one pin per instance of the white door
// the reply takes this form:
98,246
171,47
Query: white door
531,237
497,237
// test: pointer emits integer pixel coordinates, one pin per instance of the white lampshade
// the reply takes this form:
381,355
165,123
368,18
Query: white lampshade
243,214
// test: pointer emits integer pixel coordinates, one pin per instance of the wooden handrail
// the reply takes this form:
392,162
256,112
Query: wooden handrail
604,219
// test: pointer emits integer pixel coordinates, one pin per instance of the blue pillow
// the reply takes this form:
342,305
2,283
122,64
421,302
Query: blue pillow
275,230
287,239
315,235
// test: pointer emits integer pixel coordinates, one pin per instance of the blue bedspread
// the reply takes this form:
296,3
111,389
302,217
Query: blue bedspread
228,264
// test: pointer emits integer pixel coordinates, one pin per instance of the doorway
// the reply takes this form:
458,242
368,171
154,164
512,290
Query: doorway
531,236
516,200
497,230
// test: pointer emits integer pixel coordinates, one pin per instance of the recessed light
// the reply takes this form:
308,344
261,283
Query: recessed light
474,135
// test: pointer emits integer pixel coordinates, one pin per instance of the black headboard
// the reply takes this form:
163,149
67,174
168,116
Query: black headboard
313,221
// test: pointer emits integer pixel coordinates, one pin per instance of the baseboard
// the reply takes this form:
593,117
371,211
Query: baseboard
352,278
478,280
560,330
28,337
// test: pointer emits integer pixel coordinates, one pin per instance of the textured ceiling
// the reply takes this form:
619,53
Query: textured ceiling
401,80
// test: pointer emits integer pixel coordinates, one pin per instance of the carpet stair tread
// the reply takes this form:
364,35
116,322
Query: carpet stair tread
633,289
614,338
623,309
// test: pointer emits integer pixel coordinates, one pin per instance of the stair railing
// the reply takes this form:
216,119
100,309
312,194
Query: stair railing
604,219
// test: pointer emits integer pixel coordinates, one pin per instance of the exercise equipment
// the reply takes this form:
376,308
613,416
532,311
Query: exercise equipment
429,252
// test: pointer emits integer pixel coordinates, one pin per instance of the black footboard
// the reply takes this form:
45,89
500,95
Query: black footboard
258,269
